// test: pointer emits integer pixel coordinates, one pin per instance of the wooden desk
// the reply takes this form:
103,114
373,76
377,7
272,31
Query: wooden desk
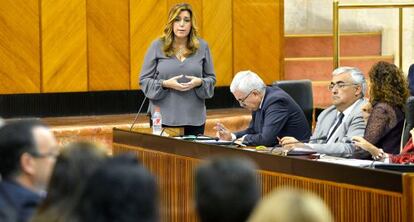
352,193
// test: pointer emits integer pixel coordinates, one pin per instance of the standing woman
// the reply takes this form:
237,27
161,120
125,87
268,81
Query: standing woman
388,95
177,74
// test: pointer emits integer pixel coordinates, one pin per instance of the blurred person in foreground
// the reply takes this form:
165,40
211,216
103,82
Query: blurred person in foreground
226,189
120,190
291,205
28,151
74,165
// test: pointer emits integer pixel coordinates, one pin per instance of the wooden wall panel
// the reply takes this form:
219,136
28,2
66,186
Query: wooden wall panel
258,35
148,19
217,26
64,67
108,44
19,47
92,45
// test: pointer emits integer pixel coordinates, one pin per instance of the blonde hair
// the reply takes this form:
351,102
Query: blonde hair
291,205
168,37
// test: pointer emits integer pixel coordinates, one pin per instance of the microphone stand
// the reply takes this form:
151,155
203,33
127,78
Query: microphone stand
143,102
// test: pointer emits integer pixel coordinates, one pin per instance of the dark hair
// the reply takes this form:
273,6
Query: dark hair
411,79
124,158
16,138
388,85
76,162
226,189
119,191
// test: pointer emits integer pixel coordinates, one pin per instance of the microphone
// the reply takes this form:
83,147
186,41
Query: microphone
205,137
301,141
143,102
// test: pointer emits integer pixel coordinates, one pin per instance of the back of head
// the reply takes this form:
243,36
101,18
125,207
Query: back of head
119,191
16,138
246,81
76,162
388,84
226,189
291,205
356,75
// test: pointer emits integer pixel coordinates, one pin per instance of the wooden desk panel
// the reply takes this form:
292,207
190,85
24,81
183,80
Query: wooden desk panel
353,194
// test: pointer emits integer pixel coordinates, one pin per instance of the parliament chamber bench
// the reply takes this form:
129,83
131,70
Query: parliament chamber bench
99,128
352,193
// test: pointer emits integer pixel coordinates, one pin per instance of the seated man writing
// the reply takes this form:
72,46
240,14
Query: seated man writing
338,123
274,112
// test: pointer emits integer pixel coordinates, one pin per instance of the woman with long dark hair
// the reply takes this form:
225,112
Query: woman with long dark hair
388,96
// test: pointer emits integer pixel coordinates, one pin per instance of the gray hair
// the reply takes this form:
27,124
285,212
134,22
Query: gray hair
356,75
246,81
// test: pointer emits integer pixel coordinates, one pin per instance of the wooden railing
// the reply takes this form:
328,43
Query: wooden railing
352,193
337,6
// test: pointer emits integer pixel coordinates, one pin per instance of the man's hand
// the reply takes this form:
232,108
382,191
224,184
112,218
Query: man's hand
289,142
222,132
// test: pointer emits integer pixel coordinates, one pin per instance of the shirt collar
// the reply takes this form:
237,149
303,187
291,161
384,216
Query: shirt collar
348,110
261,102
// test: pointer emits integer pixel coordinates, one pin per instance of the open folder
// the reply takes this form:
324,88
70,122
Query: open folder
205,139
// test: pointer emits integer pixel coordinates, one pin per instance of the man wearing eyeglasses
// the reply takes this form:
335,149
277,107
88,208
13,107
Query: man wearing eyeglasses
274,112
340,122
28,150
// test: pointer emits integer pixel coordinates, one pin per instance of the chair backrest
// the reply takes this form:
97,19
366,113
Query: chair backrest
410,78
301,92
409,120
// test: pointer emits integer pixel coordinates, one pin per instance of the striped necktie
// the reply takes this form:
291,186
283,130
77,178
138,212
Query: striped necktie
340,117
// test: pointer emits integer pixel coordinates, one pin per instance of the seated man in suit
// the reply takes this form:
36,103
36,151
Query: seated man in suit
27,155
338,123
274,112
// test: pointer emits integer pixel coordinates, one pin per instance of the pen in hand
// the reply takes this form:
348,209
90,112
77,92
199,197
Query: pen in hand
222,132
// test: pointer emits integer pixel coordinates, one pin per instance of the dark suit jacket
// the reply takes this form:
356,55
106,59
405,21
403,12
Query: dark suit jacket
16,201
279,116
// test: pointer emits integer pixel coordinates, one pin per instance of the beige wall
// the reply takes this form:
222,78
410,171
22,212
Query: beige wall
315,16
92,45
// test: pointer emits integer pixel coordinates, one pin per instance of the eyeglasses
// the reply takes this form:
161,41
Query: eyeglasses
241,101
340,85
52,154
